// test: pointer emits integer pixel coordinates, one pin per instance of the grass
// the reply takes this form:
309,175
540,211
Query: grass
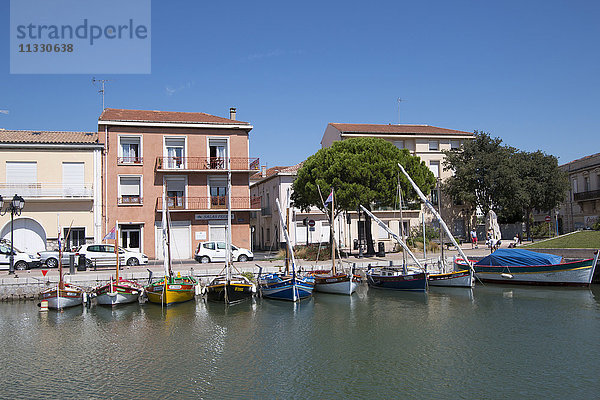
577,240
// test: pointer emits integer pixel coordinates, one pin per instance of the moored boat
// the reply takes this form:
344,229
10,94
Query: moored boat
519,266
226,287
397,278
170,289
462,278
117,291
62,295
286,286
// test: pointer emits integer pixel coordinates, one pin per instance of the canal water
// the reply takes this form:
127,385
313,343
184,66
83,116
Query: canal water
494,342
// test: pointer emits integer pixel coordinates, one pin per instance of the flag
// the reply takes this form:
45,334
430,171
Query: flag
110,235
330,198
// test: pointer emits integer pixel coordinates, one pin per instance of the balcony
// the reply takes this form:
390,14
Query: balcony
209,203
130,200
588,195
130,160
47,190
211,164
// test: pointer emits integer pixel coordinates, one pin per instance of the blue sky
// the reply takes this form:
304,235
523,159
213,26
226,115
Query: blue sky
525,71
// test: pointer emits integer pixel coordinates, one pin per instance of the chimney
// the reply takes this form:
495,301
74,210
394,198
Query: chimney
232,113
263,171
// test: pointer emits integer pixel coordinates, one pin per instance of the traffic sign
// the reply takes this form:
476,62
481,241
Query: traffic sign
548,219
311,222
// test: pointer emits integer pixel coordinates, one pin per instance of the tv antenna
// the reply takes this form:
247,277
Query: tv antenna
399,101
101,82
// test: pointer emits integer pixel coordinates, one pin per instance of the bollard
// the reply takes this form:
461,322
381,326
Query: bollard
72,264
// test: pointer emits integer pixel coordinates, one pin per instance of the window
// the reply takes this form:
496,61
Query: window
174,153
21,172
382,233
399,144
95,248
130,190
221,245
217,150
176,192
73,178
209,245
586,184
433,145
575,186
454,144
74,237
218,192
434,166
130,150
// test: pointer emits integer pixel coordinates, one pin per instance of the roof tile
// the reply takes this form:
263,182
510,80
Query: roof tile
114,114
48,137
396,129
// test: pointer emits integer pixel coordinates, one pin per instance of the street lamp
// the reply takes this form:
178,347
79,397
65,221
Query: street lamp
14,207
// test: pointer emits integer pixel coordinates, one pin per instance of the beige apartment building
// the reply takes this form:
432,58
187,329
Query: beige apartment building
185,157
424,141
581,208
58,174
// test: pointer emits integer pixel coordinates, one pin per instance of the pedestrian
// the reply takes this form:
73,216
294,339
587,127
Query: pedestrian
473,238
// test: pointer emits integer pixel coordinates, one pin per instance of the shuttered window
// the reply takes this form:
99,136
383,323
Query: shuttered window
130,189
21,172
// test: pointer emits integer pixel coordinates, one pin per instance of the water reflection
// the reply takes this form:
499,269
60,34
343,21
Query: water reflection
116,313
58,317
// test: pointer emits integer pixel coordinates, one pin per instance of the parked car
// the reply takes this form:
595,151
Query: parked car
21,260
50,258
104,254
217,251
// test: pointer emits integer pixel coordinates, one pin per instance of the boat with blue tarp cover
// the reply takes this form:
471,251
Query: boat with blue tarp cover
521,266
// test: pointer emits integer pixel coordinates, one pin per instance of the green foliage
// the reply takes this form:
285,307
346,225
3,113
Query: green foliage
541,230
310,252
596,226
249,275
416,235
576,240
496,177
362,171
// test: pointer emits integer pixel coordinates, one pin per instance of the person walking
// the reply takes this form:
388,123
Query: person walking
473,239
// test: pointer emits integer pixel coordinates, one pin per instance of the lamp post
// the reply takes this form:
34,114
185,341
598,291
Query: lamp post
14,207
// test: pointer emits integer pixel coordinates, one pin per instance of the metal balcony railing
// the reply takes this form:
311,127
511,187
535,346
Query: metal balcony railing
209,203
41,190
207,163
588,195
123,200
130,160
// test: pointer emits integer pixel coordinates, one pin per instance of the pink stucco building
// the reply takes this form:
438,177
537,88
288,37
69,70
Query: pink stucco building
185,156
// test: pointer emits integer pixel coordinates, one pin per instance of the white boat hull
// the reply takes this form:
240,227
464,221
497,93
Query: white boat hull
348,287
577,277
111,299
454,279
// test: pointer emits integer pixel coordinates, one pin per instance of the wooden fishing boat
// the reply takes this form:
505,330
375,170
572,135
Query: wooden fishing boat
279,286
63,295
286,286
117,290
170,289
226,287
397,278
519,266
334,281
464,277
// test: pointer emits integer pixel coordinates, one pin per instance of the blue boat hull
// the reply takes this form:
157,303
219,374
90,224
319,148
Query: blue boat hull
290,289
413,282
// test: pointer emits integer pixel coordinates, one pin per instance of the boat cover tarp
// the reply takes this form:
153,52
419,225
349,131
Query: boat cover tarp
516,257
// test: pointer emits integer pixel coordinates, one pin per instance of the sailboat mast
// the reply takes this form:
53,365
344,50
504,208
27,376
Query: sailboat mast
332,233
165,240
228,258
287,238
60,267
401,221
117,249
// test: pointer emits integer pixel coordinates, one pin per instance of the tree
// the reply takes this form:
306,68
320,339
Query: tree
544,184
362,171
483,176
492,176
